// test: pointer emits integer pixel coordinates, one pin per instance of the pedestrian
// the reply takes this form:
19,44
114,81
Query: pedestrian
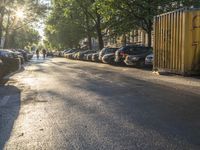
44,53
38,53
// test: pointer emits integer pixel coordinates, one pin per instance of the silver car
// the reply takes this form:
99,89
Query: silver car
149,60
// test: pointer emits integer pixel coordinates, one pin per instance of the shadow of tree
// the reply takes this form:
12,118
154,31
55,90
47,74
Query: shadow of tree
169,112
9,110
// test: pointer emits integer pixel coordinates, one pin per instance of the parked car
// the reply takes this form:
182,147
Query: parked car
137,55
20,55
109,58
1,62
95,57
105,51
57,53
82,54
29,55
4,53
149,60
89,56
49,54
121,53
63,52
24,54
10,60
1,68
70,54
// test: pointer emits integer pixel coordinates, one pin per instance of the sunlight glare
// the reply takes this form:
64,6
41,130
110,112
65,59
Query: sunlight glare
20,14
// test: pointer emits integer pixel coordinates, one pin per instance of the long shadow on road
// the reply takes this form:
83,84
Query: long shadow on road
9,110
171,113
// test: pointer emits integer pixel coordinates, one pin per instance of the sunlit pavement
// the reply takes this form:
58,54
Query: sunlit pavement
57,104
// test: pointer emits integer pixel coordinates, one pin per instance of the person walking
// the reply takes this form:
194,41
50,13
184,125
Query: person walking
44,53
38,53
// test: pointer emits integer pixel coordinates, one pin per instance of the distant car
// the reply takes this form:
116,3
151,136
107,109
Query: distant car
63,52
57,53
109,58
70,54
136,56
105,51
149,60
88,57
95,57
49,54
121,53
82,54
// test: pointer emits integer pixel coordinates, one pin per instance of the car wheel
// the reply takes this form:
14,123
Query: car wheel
141,64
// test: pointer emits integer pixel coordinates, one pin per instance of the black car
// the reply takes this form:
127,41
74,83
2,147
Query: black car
11,60
137,56
105,51
121,53
1,68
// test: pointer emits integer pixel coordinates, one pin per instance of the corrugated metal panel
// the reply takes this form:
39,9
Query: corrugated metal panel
177,41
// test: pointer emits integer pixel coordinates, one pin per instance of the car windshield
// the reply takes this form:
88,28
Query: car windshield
138,50
122,48
111,50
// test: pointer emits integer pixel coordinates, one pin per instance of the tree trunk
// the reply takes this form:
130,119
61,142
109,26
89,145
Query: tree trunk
149,38
1,26
7,34
1,32
124,40
89,41
99,33
88,33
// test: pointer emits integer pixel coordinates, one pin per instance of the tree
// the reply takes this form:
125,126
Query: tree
125,15
82,14
62,30
23,37
91,10
31,11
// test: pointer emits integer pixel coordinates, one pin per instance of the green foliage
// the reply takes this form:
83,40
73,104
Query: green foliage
66,25
23,37
71,20
10,23
122,16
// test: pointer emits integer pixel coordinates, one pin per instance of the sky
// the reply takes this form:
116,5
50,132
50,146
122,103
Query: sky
40,26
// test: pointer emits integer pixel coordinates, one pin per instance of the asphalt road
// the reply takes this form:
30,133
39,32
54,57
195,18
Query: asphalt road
59,104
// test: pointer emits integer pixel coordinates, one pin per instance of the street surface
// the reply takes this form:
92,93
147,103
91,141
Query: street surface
61,104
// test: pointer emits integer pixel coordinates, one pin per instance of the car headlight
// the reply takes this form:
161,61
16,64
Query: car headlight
135,58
